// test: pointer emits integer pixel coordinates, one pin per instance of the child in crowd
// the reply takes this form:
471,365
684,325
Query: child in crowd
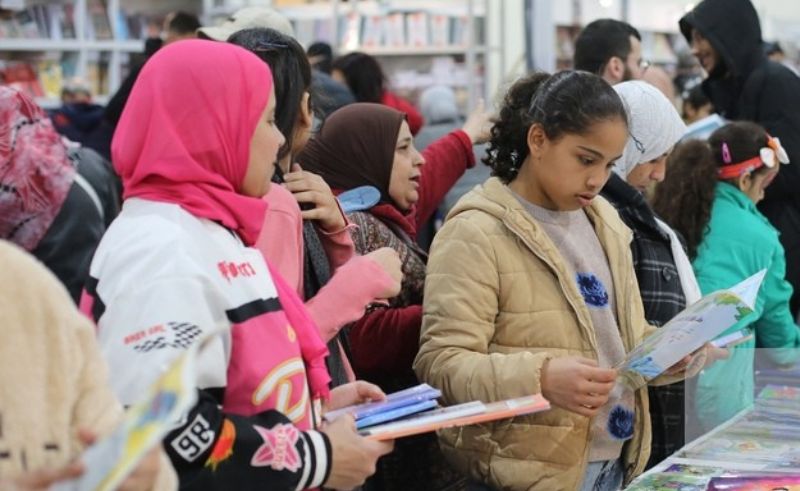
371,144
531,288
710,197
196,147
317,256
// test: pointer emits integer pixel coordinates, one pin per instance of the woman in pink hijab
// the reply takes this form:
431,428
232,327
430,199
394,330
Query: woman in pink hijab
195,148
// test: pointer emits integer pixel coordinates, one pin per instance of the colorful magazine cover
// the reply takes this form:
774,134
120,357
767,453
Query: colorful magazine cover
109,461
755,483
688,331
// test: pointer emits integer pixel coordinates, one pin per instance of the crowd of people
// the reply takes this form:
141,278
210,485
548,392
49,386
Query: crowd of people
577,220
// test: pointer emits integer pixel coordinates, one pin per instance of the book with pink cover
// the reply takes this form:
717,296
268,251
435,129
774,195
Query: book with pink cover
459,415
755,483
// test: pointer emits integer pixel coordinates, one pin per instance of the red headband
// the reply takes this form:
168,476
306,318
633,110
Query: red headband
771,156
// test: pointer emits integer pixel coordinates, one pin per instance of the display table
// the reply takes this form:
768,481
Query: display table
758,449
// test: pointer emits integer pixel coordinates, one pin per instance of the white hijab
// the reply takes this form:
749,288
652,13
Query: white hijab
655,126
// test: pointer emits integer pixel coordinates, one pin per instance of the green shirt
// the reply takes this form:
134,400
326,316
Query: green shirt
738,243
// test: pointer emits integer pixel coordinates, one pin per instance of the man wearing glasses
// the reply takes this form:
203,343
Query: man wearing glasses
611,49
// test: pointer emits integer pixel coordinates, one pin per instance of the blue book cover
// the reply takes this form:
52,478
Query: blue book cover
396,400
394,414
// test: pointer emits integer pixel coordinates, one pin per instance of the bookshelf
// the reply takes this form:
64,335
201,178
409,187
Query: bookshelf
419,43
43,43
656,21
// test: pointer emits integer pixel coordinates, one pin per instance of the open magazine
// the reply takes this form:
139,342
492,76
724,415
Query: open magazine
109,461
687,332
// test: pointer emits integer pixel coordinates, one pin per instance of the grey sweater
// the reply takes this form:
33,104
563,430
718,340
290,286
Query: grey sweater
574,236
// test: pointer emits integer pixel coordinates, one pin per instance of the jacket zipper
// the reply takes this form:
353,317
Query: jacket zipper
592,341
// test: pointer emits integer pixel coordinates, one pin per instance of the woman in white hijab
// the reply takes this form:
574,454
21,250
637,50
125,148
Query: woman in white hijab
665,275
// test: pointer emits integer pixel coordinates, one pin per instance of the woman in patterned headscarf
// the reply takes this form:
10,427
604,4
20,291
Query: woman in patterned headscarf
55,199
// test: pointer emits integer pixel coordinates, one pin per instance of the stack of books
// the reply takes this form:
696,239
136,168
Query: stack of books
415,410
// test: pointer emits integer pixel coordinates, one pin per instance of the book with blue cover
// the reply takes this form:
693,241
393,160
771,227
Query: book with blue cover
404,398
393,414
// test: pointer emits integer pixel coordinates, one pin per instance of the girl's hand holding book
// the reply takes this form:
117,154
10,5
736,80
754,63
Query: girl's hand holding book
577,384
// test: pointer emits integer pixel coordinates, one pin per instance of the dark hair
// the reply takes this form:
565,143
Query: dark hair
695,97
324,54
600,41
291,74
771,48
566,102
363,75
685,197
183,23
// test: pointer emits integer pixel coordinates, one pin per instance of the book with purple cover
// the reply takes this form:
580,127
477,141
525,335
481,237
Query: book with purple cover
396,400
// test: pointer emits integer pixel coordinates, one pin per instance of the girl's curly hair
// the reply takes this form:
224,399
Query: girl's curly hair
567,102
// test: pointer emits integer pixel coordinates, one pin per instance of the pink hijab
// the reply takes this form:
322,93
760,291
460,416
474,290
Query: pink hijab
35,171
184,136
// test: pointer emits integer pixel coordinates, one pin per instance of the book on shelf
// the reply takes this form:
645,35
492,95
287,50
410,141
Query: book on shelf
26,24
304,29
395,30
373,30
23,77
323,30
440,29
51,77
52,21
68,21
417,29
351,31
98,25
460,31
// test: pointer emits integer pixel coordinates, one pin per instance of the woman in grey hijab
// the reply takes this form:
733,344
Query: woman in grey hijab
665,276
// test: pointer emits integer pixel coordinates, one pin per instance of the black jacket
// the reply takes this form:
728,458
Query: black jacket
750,87
68,246
663,298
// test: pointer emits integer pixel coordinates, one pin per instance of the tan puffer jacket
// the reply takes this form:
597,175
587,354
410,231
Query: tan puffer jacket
499,301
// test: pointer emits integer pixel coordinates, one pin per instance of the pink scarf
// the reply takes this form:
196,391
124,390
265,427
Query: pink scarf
35,171
184,138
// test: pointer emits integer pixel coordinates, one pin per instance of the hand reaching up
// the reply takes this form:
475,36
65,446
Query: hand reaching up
478,125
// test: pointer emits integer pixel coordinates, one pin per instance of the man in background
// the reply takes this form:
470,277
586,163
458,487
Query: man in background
611,49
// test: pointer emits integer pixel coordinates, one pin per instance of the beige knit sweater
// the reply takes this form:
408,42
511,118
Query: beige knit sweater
53,377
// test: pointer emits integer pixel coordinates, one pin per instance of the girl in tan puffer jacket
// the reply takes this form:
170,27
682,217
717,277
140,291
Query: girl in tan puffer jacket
530,288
